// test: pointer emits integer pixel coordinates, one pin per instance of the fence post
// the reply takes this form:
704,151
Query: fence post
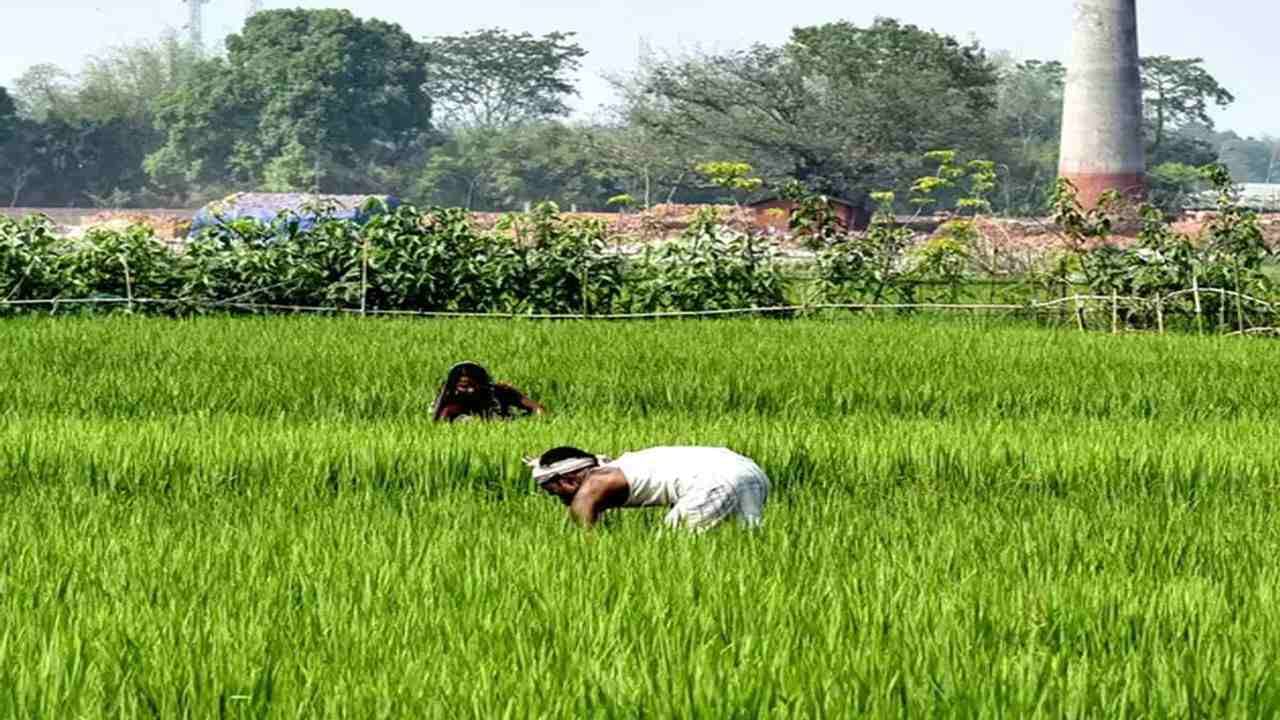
1222,309
1115,312
364,276
1075,299
128,281
1195,293
1239,302
1160,313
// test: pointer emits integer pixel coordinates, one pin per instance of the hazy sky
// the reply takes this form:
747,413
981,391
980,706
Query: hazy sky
1237,38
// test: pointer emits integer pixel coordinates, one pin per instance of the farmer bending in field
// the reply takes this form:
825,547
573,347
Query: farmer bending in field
469,393
701,485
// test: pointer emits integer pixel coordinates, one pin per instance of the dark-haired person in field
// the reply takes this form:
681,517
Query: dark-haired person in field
469,393
703,486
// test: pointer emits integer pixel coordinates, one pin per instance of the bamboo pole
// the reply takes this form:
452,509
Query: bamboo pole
1195,293
128,281
1239,302
364,277
1115,312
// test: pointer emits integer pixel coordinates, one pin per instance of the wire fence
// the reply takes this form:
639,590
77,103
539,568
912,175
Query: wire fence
1160,307
1081,306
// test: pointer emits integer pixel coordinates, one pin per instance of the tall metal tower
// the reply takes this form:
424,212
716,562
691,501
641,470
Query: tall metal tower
195,22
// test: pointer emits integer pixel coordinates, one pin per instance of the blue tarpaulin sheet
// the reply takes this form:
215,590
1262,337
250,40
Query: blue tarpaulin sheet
266,207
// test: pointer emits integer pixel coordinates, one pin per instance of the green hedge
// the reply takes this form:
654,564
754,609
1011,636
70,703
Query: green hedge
404,259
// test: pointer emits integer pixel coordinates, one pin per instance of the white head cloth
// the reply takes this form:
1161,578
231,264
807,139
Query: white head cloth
545,473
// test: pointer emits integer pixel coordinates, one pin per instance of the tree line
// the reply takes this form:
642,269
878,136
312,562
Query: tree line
321,100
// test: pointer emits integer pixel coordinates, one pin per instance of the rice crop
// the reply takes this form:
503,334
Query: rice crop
254,517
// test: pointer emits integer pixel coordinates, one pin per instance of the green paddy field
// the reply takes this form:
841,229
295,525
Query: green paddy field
238,517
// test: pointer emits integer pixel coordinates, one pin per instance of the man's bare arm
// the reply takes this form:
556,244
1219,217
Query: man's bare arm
585,511
603,490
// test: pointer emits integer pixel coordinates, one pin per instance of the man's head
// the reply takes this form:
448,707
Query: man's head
561,471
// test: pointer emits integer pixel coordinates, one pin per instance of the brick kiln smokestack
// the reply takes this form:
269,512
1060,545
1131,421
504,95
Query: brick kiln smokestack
1102,146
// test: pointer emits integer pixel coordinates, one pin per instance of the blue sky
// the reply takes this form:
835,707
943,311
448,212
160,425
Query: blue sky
1238,38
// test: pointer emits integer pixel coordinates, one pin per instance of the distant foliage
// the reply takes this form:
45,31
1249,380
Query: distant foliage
735,177
813,221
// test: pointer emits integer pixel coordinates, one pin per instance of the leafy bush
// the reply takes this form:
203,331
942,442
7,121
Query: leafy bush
540,262
28,258
234,260
946,258
436,261
118,264
1229,256
410,260
1235,248
871,267
276,263
813,221
708,268
884,265
566,266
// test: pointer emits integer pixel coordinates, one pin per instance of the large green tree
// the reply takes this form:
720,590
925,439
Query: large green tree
8,115
1177,93
42,163
496,79
45,90
130,81
841,108
10,148
1029,119
53,163
552,161
303,99
117,100
1250,159
83,137
642,163
502,169
462,172
652,163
